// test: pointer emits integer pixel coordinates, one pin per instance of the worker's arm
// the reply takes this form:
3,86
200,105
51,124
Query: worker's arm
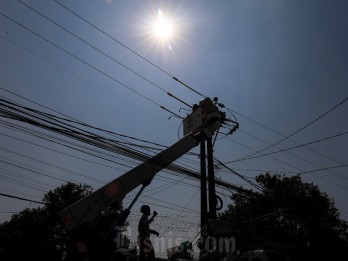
154,232
153,216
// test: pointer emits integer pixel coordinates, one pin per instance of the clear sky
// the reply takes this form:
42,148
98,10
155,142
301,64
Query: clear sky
279,65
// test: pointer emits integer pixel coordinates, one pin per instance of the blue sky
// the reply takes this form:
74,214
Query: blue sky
280,64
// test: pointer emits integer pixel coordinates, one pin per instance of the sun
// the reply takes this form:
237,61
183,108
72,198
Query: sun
163,28
164,31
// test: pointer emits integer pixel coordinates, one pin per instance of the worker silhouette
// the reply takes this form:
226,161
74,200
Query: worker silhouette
146,251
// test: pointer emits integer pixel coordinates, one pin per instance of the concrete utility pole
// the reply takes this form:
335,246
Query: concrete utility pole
204,208
211,181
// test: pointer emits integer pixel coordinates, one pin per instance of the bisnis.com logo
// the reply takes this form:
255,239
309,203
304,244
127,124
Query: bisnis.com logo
163,244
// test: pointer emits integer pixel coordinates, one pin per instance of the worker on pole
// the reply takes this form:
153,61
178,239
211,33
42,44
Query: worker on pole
146,251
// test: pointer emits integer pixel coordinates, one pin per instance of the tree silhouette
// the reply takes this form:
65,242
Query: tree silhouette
291,216
38,233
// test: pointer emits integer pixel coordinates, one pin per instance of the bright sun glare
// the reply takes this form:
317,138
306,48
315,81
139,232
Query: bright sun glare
162,27
164,30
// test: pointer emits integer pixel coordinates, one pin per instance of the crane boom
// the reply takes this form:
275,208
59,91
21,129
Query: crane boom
201,124
88,208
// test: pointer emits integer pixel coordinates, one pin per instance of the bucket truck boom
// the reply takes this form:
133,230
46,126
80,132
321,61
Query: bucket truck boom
201,124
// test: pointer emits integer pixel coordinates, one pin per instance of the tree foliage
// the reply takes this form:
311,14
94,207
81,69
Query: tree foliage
38,233
291,216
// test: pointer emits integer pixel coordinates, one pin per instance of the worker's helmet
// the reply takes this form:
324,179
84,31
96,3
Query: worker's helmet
145,209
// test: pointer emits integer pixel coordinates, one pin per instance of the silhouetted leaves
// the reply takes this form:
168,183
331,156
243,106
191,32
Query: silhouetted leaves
291,216
39,234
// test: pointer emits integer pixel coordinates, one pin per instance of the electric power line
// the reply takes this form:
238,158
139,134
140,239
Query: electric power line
81,60
64,49
21,198
107,55
296,147
129,49
291,148
142,57
299,130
